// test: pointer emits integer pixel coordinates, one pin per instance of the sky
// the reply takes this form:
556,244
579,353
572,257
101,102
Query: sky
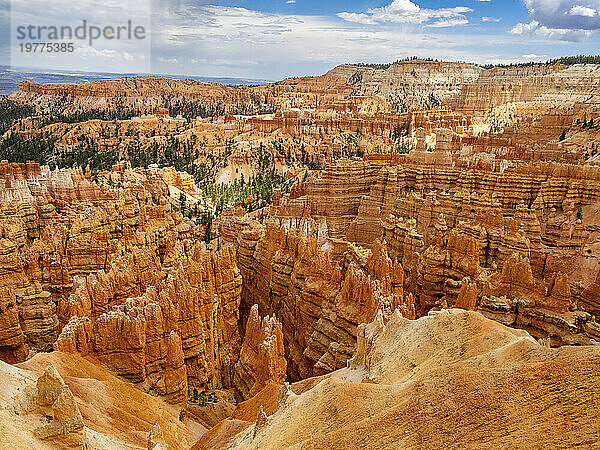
274,39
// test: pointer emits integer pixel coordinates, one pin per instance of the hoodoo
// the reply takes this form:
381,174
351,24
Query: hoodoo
394,255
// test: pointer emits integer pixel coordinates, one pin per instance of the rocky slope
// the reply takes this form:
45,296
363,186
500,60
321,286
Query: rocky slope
452,226
64,401
545,85
410,83
347,211
453,378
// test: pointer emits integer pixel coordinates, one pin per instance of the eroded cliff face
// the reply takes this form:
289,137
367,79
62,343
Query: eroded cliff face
411,83
12,342
456,230
133,96
320,302
166,332
542,84
401,86
124,282
387,213
56,225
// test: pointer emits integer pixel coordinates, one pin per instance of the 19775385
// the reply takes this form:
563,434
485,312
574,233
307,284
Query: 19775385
49,47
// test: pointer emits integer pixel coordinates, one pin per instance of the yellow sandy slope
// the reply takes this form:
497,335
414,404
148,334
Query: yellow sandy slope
115,413
452,380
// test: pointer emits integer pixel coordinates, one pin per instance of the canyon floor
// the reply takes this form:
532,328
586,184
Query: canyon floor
389,256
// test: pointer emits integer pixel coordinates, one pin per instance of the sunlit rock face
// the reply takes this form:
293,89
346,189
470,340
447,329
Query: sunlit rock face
319,301
457,230
180,329
393,227
543,84
262,359
63,225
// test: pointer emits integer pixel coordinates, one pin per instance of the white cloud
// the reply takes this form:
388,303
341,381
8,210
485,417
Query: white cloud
570,20
534,28
168,60
240,42
91,52
190,37
405,11
579,10
490,19
525,28
291,2
441,23
118,55
357,17
230,41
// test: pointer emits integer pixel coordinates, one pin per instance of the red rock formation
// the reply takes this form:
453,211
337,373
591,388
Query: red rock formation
319,302
188,317
261,356
40,252
590,297
448,224
558,294
502,222
467,297
12,340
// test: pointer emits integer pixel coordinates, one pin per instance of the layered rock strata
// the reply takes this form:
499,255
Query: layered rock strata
53,234
180,329
319,302
262,358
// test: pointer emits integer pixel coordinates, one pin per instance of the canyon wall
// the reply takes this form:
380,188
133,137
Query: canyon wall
319,302
459,231
402,192
411,83
545,85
